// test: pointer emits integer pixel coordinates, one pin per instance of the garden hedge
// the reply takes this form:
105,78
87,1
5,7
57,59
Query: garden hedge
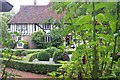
30,57
31,67
51,50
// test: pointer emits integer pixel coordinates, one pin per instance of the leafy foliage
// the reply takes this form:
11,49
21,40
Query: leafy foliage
37,38
52,50
26,46
60,56
94,27
57,38
43,56
4,17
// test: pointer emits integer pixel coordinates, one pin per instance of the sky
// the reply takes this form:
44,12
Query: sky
17,3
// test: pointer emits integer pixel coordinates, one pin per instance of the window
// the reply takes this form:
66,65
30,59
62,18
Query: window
18,28
47,38
47,26
22,29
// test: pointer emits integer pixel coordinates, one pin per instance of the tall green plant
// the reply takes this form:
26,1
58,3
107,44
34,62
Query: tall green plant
95,55
95,42
114,55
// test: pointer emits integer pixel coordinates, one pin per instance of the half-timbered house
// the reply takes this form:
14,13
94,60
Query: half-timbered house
29,19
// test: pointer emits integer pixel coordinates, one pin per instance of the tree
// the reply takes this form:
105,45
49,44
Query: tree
37,38
4,18
57,38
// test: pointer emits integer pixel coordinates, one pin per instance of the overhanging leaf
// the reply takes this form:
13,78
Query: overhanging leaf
83,19
113,26
100,17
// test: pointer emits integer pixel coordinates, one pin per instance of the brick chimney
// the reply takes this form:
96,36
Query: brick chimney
34,2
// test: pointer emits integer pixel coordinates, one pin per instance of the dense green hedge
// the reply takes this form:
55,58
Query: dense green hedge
30,57
31,67
43,56
51,50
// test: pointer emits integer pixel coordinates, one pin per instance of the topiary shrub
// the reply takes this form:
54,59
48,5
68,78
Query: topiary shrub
51,51
60,56
43,56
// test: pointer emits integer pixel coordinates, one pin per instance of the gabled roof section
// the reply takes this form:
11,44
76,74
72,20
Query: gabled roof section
34,14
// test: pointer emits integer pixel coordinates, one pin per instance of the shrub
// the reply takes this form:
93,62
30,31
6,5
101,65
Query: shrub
65,57
43,45
24,53
18,52
57,38
37,38
48,44
60,56
31,67
43,56
12,44
51,50
26,46
57,56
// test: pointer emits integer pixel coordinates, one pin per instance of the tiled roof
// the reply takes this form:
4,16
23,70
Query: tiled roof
34,14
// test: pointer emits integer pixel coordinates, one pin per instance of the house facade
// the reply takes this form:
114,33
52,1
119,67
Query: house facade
29,20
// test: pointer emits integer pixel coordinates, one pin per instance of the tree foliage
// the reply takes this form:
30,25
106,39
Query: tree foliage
37,36
57,38
38,40
4,18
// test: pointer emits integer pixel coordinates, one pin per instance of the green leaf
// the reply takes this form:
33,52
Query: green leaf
104,37
87,27
83,19
113,26
110,17
105,59
97,6
16,33
109,48
92,43
100,18
24,42
116,34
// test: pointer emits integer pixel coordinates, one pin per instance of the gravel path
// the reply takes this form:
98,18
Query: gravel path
24,74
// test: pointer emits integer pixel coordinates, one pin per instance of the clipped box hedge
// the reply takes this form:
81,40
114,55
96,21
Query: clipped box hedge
31,67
